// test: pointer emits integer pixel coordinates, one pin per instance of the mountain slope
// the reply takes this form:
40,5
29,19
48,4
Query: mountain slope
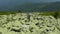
52,6
30,6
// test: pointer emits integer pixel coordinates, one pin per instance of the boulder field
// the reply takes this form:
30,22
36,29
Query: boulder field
32,23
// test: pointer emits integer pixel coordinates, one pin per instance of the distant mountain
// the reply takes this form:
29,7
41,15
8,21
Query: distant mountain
52,6
55,6
29,6
32,6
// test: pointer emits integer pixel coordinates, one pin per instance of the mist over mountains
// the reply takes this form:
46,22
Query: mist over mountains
30,5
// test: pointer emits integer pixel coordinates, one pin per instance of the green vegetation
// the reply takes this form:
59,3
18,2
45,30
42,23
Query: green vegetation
43,13
6,13
56,14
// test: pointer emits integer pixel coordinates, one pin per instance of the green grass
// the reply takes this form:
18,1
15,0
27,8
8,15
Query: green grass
43,13
6,13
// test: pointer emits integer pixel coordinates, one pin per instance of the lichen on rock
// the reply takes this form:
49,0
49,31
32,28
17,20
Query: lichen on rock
37,24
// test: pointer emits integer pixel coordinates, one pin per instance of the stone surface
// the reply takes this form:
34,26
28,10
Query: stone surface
20,24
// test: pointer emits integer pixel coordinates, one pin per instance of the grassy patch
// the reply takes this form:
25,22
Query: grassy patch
6,13
54,13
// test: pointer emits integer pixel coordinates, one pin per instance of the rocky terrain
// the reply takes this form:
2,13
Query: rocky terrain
32,23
